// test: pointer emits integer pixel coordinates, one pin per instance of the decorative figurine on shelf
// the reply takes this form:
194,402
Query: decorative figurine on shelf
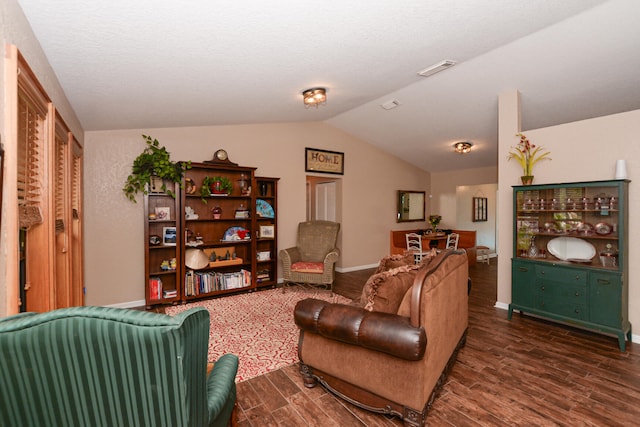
190,213
216,212
242,212
527,154
243,183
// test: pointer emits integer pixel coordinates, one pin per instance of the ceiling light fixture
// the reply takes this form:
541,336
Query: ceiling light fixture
314,97
436,68
463,147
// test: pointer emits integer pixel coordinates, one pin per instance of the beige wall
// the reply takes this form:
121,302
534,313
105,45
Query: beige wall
485,230
444,186
15,30
581,151
114,226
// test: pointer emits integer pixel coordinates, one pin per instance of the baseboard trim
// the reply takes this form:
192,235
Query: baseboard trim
130,304
356,268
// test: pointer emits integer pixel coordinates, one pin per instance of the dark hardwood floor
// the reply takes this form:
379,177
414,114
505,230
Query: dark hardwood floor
523,372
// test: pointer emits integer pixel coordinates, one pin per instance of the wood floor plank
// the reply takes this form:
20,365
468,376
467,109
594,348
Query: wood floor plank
271,397
247,396
283,383
289,416
338,411
311,413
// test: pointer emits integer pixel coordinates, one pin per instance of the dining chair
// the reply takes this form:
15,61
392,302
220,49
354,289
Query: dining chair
414,245
452,241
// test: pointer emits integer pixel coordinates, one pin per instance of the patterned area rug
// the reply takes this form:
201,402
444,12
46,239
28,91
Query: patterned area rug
258,327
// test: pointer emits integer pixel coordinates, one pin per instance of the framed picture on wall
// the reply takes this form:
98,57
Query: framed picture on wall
324,161
479,209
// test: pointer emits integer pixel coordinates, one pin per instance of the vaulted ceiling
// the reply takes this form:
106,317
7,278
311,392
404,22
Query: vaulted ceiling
156,63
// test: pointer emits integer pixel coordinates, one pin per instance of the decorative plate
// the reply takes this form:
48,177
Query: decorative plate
235,234
566,248
264,209
603,228
585,228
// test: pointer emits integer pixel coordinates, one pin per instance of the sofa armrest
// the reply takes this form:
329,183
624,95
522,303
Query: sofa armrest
383,332
221,387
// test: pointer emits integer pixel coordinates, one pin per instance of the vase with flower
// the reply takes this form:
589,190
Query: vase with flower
527,154
434,220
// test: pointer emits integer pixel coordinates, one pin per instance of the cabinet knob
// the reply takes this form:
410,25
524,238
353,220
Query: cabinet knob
577,294
578,277
603,282
542,272
542,288
577,311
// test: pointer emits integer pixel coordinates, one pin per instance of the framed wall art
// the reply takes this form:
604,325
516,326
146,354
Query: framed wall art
479,209
324,161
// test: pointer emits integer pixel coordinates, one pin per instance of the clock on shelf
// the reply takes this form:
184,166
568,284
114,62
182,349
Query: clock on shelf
220,157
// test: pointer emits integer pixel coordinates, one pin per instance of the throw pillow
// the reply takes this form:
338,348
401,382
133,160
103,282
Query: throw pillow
404,309
394,261
384,291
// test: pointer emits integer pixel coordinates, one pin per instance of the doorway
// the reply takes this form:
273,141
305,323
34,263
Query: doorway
323,199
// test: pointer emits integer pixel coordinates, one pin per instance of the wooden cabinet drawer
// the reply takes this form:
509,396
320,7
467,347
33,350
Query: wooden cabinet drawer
560,274
562,298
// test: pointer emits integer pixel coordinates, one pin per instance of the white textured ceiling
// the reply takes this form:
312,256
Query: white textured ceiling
158,63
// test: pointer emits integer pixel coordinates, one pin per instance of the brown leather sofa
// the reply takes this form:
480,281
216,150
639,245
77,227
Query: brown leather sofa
388,361
467,241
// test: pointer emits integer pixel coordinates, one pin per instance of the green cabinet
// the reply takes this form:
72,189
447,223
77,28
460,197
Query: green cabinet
570,255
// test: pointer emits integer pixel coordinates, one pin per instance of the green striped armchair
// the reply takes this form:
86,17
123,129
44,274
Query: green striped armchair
97,366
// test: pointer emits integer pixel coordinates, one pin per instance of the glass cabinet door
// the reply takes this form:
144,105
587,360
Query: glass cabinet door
573,223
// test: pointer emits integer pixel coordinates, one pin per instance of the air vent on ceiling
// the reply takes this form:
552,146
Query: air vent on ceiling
447,63
390,105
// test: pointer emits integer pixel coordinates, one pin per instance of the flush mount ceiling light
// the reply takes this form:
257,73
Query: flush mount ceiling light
463,147
314,97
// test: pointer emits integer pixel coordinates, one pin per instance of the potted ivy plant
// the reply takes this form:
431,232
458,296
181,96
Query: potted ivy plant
215,185
154,162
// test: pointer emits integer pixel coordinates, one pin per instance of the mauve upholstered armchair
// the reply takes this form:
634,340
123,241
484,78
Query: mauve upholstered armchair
392,359
312,261
97,366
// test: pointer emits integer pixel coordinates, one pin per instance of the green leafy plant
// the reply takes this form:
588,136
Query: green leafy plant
434,220
527,154
153,161
205,189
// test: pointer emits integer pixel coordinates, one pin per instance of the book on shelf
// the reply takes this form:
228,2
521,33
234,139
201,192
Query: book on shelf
155,288
198,283
263,275
170,293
